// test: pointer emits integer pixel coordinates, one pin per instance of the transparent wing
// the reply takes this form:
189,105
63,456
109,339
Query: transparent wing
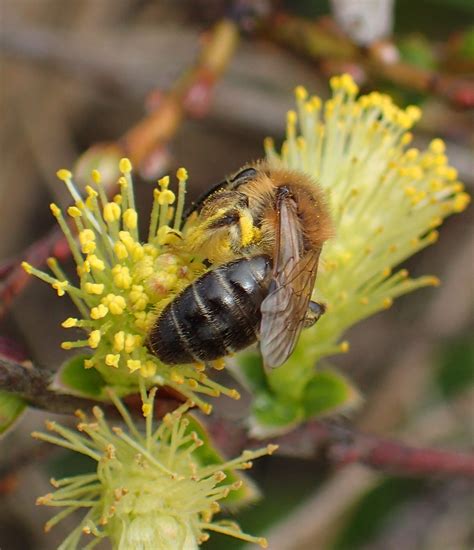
284,309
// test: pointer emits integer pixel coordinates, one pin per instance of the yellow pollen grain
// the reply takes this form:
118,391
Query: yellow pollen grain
246,229
89,247
146,409
74,212
182,174
123,183
27,267
125,166
164,182
137,252
116,304
291,118
95,262
413,112
121,277
219,364
434,281
60,287
166,197
387,302
70,322
234,394
99,312
91,193
94,288
176,377
438,146
132,342
86,236
461,201
55,210
316,102
96,176
335,83
94,339
268,144
344,346
134,364
127,239
301,93
88,363
67,345
63,174
119,341
111,212
148,369
112,360
120,250
167,236
130,218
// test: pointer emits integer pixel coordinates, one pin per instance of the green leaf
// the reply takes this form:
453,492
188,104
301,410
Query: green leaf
250,365
466,48
11,407
80,381
274,413
207,454
328,392
417,50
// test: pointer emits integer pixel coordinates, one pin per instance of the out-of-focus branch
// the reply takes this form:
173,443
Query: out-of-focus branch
33,385
339,444
345,445
145,144
321,42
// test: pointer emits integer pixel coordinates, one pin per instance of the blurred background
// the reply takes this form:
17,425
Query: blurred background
200,84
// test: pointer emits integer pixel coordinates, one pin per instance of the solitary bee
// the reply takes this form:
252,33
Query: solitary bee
266,227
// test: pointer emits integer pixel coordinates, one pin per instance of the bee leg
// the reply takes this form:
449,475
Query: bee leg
314,312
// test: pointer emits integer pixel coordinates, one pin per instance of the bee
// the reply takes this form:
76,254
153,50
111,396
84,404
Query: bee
265,228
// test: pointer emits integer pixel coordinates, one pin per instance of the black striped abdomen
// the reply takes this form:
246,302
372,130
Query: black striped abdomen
216,315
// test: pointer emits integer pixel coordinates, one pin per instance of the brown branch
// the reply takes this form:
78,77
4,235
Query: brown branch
33,385
321,42
338,444
343,445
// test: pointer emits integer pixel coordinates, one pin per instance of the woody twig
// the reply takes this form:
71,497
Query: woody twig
322,43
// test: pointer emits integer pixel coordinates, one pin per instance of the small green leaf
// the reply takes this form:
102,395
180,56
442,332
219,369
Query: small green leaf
207,454
251,367
328,392
11,407
417,51
271,413
80,381
466,48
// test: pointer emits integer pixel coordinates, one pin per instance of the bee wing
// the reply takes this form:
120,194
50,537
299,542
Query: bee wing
284,309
